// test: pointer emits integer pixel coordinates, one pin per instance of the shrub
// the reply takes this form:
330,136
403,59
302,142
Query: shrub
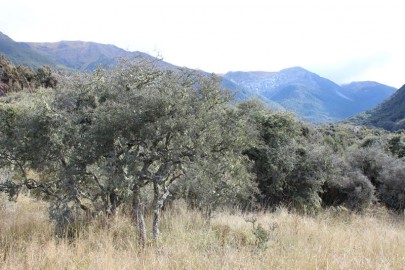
352,190
397,146
288,162
385,172
371,161
392,188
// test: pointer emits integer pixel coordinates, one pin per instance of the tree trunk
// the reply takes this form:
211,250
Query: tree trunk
156,220
161,192
139,218
156,212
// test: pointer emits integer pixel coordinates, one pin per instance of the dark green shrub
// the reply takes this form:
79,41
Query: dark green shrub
396,146
391,191
371,161
288,162
385,172
352,190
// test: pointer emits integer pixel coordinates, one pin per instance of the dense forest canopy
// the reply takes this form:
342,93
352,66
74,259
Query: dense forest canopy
139,136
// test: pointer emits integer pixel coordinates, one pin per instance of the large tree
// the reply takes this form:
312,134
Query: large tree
103,139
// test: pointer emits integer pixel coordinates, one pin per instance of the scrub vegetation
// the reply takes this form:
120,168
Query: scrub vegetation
141,166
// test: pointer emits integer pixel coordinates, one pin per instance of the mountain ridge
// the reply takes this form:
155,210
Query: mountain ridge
20,54
312,97
83,55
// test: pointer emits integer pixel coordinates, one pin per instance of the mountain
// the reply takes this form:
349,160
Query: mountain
367,95
77,55
310,96
389,115
83,56
21,53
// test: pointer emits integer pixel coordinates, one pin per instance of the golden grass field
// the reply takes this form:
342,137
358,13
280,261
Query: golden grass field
329,240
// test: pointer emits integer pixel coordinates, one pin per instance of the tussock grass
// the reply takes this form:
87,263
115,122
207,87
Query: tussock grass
329,240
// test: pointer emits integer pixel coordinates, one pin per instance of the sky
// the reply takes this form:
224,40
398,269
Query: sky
342,40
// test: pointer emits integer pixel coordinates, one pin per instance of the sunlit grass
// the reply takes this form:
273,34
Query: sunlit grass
329,240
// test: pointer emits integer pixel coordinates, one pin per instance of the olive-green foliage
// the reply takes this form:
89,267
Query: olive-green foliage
396,145
95,141
391,191
207,189
346,186
370,161
14,79
98,138
384,171
289,164
44,78
341,136
305,167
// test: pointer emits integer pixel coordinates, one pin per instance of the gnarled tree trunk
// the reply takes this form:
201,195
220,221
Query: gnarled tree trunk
159,199
137,209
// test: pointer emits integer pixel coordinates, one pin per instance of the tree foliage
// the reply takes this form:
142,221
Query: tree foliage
14,79
100,139
288,163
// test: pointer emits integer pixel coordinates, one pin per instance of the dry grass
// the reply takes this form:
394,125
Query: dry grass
329,240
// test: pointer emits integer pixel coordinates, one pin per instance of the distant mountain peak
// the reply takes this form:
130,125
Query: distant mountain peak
295,69
362,84
298,72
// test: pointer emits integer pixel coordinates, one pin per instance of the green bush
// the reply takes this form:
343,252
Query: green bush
288,161
391,191
385,172
352,190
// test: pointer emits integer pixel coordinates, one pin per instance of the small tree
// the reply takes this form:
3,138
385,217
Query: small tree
45,78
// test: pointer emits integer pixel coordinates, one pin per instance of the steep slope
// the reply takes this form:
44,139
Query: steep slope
20,53
310,96
240,93
77,55
367,95
389,115
80,55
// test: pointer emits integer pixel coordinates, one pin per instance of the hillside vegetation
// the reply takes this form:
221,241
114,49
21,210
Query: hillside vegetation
389,115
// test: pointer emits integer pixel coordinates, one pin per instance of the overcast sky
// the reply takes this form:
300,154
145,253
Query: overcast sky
343,40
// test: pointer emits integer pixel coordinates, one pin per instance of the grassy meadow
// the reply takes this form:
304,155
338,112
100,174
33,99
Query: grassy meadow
280,240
